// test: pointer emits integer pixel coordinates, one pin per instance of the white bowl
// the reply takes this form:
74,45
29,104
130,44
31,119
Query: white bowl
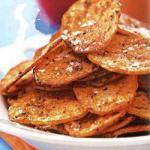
50,141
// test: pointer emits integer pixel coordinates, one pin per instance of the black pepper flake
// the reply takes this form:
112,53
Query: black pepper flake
105,88
93,95
87,3
20,72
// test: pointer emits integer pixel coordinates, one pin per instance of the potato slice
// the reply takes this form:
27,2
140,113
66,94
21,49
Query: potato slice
62,68
12,75
124,122
94,75
89,25
109,98
34,107
62,88
5,85
131,22
55,35
129,130
91,124
124,29
140,106
56,128
98,82
39,52
127,53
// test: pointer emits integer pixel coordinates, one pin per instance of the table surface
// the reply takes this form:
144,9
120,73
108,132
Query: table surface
22,15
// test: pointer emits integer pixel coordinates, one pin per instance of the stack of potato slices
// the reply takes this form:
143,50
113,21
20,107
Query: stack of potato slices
89,80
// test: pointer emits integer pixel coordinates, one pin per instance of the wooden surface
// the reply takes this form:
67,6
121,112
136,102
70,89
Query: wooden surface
16,143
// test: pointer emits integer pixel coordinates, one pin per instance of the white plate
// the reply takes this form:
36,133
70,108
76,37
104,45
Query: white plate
50,141
8,58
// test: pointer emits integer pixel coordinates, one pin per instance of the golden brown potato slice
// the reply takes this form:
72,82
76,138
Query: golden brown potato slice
56,128
98,82
39,52
12,75
91,124
55,36
129,130
20,84
127,53
122,123
62,88
89,25
140,106
62,68
94,75
131,22
144,82
6,84
109,98
124,29
34,107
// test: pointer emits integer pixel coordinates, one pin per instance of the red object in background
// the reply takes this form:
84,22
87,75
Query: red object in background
139,9
55,8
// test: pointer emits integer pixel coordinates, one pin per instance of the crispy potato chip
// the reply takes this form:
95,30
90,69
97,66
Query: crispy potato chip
108,98
140,106
55,36
94,75
124,29
98,82
144,82
124,122
129,130
20,84
12,75
11,100
128,54
91,124
39,52
62,88
89,25
56,128
131,22
5,84
34,107
63,68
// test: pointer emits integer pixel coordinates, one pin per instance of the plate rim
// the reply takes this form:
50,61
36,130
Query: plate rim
52,138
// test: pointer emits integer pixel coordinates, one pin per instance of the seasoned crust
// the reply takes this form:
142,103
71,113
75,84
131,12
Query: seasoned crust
62,67
39,52
129,130
109,98
89,25
127,54
12,75
91,124
140,106
35,107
